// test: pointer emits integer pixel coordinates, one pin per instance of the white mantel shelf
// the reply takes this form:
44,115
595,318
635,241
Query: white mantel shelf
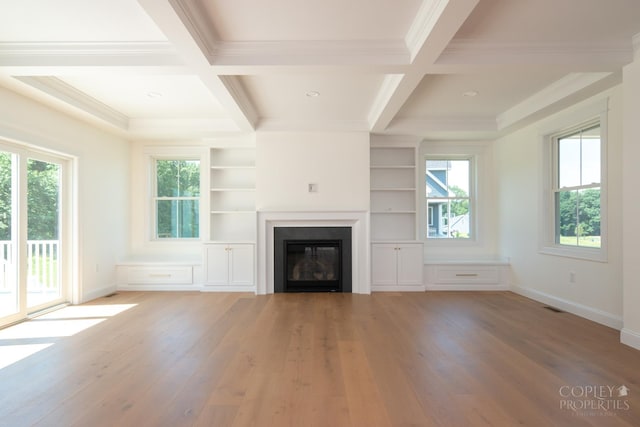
357,220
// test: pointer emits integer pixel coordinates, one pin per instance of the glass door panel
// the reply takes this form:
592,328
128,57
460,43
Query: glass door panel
43,233
9,290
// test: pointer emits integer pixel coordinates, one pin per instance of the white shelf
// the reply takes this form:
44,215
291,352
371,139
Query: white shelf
232,194
393,193
392,157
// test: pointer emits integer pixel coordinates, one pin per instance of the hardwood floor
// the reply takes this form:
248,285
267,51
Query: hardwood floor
389,359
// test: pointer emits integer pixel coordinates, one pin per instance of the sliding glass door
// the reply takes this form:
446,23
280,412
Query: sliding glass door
31,233
9,289
43,233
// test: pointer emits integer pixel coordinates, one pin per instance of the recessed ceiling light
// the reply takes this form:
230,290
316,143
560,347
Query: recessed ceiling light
154,95
313,94
470,93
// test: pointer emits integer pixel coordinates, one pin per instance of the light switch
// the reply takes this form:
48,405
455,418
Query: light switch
313,188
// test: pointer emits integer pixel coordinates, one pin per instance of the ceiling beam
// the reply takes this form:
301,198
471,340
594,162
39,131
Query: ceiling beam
578,56
435,25
177,25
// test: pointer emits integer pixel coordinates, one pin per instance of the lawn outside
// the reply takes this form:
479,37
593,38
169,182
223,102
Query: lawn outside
582,241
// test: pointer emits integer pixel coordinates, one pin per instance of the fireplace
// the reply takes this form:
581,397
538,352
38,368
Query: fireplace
312,259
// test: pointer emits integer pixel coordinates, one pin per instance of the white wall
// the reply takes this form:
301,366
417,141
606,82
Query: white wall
287,162
102,162
631,206
597,291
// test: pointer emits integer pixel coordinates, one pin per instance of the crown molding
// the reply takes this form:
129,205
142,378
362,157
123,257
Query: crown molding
423,24
165,128
269,125
239,94
193,18
420,126
635,41
88,53
311,52
385,93
68,94
465,51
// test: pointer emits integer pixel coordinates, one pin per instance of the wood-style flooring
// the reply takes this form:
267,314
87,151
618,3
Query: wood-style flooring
388,359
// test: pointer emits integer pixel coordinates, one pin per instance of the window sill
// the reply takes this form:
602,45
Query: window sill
586,254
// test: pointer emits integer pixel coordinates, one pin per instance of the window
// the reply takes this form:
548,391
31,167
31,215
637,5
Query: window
448,194
577,187
177,198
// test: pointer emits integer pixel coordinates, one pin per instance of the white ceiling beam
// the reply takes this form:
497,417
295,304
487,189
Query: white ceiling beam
435,25
311,53
88,54
194,50
567,90
578,56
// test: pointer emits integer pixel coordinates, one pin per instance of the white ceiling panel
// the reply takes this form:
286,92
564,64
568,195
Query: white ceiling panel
278,20
553,21
75,21
481,95
290,97
150,96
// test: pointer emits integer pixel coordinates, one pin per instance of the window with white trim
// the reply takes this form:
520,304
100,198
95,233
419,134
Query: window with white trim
577,186
449,198
574,223
176,198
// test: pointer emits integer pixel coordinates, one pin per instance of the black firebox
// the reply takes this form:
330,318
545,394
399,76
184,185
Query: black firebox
312,259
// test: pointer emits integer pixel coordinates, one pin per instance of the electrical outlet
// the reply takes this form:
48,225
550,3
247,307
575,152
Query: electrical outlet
572,277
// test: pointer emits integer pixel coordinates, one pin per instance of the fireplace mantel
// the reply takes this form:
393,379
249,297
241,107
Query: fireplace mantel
357,220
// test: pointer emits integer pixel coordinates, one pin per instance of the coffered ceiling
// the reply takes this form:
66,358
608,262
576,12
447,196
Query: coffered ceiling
440,69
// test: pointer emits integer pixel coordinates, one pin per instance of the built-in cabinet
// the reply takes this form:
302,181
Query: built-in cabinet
465,276
229,266
397,266
396,255
229,256
145,274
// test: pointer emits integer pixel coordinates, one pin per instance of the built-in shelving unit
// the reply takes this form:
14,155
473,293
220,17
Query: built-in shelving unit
393,193
232,194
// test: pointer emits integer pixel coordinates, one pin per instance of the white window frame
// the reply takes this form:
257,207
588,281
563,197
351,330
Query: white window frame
470,197
155,198
472,240
596,114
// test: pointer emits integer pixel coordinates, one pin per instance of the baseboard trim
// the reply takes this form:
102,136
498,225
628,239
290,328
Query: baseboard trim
581,310
630,338
397,288
157,287
223,288
467,287
97,293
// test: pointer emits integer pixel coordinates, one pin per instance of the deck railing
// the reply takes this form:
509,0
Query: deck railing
42,265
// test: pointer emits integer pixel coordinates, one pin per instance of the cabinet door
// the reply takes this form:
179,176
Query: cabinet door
217,264
383,264
241,265
409,264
